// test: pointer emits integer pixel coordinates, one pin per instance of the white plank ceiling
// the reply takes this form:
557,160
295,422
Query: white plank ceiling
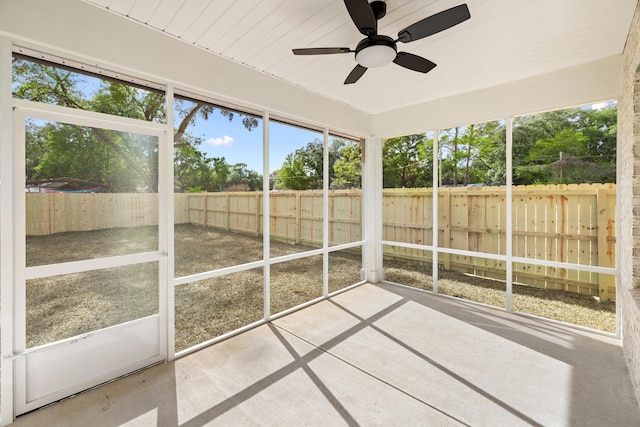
505,40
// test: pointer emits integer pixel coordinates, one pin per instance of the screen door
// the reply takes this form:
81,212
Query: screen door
90,288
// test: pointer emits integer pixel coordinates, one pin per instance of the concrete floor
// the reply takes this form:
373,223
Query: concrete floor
375,355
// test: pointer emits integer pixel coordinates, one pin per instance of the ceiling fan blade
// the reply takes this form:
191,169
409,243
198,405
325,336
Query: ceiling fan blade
414,62
355,74
362,15
320,50
435,23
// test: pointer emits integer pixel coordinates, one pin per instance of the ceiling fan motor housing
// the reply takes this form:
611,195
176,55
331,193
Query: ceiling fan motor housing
376,51
379,9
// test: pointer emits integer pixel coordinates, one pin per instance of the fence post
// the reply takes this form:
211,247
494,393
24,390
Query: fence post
205,208
446,243
602,215
258,207
298,215
227,211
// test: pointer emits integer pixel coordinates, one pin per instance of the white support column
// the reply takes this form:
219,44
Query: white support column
509,214
7,189
266,209
325,215
169,246
434,207
372,209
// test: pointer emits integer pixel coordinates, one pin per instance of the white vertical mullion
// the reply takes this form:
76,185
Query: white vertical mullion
169,249
377,191
18,206
266,208
434,207
7,188
372,208
618,231
325,215
509,214
363,246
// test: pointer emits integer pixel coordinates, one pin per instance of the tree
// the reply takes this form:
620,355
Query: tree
75,151
118,161
47,84
348,167
95,154
407,161
36,149
220,172
302,169
468,154
186,144
575,145
292,175
241,175
450,157
192,171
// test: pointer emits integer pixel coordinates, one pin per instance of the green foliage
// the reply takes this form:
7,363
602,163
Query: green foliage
47,84
468,154
118,161
36,147
100,156
293,174
407,161
347,167
576,145
192,168
239,174
303,169
220,172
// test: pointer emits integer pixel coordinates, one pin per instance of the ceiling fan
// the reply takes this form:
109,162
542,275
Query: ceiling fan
377,50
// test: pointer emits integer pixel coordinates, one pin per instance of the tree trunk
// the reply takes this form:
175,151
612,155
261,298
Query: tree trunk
468,159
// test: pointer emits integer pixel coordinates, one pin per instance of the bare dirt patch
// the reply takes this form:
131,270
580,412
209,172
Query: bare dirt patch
68,305
581,310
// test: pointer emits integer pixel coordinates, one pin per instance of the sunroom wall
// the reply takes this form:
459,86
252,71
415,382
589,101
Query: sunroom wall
76,30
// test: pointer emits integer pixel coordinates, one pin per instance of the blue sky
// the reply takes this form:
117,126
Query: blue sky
230,139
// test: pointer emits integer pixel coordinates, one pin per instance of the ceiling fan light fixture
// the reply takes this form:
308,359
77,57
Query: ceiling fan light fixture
376,51
376,56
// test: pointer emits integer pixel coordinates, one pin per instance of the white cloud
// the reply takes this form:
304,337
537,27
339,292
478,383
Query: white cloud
601,105
220,142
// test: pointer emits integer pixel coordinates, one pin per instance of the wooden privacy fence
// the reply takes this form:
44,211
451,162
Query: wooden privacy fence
49,213
564,223
295,216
